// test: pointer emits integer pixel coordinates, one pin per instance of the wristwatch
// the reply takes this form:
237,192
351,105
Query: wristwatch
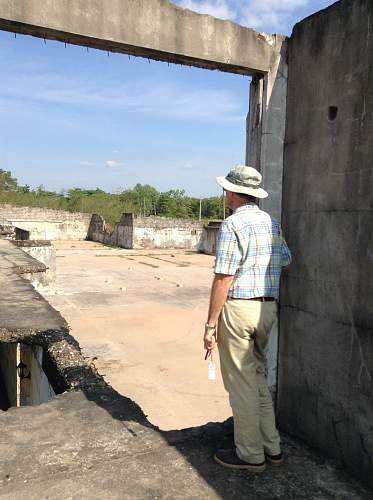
210,327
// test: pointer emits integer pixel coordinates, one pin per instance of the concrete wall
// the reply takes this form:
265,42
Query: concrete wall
209,236
8,368
265,136
43,252
265,126
7,230
28,391
147,232
41,390
47,224
121,235
326,342
159,232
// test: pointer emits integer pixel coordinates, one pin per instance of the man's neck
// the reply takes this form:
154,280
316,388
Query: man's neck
243,204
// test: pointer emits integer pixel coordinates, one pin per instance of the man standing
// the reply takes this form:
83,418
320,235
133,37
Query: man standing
250,255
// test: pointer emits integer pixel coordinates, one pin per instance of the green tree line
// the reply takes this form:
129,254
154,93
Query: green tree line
141,200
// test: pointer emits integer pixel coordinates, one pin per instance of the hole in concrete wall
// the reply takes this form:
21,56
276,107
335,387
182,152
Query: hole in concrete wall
22,234
23,380
332,112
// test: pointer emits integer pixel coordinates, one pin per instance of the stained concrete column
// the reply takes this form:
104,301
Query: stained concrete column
254,122
265,128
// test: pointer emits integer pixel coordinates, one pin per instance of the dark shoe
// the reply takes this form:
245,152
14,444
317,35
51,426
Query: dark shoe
229,458
275,460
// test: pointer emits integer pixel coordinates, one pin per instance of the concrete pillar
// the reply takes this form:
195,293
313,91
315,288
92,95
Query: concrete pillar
265,127
254,122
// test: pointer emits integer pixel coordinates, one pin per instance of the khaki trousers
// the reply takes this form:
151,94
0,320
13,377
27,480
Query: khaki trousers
243,330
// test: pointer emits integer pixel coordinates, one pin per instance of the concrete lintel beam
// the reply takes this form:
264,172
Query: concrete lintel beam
154,29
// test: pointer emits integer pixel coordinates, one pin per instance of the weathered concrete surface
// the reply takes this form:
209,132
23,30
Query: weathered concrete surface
46,223
326,341
20,304
265,127
149,28
209,237
45,253
160,232
265,136
7,230
13,260
146,340
147,232
8,374
94,443
98,445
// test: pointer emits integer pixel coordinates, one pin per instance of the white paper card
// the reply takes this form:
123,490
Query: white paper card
212,372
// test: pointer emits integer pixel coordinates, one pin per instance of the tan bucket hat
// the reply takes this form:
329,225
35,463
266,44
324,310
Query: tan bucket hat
244,180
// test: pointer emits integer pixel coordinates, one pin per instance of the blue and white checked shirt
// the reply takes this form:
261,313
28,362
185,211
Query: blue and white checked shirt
251,248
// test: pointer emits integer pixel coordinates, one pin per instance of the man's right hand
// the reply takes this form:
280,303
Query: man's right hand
210,340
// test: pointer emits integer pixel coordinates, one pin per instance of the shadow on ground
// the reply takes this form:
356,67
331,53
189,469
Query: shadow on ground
306,474
92,442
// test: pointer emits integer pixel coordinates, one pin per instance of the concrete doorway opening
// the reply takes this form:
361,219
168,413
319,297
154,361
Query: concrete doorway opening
23,381
244,52
165,301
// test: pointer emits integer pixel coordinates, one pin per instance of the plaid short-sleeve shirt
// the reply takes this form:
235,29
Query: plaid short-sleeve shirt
251,248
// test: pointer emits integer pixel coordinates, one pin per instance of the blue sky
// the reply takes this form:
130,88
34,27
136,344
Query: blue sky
72,118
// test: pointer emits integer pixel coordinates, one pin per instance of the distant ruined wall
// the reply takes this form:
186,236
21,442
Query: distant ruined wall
148,232
209,236
47,224
159,232
326,321
120,236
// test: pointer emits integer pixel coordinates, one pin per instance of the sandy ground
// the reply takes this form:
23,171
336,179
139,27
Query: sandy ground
141,315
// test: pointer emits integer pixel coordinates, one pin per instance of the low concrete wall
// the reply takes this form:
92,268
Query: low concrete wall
148,232
209,237
47,224
7,230
45,253
159,232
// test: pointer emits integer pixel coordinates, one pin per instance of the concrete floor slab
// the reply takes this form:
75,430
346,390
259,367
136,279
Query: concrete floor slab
139,315
94,443
97,445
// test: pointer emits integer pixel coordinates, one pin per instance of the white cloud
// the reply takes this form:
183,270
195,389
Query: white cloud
112,163
270,15
262,15
163,99
86,163
216,8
